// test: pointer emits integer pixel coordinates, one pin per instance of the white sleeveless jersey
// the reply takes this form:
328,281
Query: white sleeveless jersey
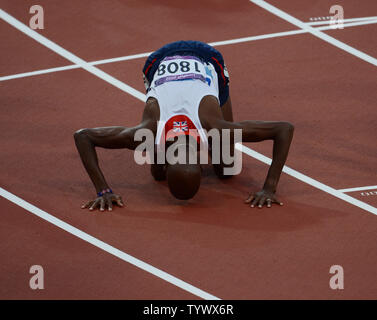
179,84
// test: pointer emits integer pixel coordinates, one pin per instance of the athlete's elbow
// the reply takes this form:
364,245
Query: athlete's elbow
81,134
287,127
285,131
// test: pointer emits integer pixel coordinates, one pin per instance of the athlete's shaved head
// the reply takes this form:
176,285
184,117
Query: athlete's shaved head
183,180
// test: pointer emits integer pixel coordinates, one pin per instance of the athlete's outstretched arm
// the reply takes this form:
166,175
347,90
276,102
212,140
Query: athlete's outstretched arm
254,131
281,133
110,138
106,137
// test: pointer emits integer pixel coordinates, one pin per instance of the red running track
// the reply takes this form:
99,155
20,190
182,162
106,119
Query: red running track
213,242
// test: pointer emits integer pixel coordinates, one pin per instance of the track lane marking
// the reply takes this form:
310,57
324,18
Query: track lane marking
306,179
315,32
68,55
358,189
356,22
316,23
106,247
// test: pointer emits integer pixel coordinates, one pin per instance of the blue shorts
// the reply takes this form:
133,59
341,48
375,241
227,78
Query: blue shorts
199,49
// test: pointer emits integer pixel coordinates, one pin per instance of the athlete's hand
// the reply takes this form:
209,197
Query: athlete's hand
106,200
261,198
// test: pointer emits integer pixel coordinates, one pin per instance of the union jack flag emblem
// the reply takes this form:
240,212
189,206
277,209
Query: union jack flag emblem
180,126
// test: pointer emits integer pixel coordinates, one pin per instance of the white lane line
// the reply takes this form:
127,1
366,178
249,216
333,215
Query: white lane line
74,66
124,58
38,72
106,247
218,43
320,18
317,33
317,23
68,55
310,181
358,189
286,33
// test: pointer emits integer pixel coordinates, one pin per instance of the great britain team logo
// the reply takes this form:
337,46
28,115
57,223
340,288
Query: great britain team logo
180,126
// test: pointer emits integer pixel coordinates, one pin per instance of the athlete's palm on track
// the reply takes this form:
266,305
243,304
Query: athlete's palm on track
261,198
106,200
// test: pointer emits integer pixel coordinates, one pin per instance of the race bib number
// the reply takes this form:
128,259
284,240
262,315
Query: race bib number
178,68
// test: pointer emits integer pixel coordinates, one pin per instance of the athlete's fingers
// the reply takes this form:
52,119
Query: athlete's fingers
274,200
119,202
102,201
261,202
110,205
250,198
94,205
255,201
88,204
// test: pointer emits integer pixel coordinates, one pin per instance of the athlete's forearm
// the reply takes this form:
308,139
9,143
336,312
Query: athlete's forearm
89,159
282,142
281,133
